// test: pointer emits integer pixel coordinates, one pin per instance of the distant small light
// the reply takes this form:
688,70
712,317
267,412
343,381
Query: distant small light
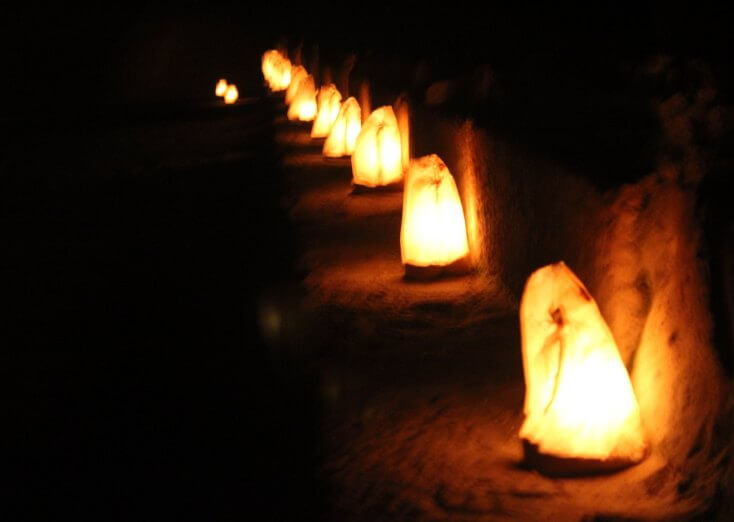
221,88
231,95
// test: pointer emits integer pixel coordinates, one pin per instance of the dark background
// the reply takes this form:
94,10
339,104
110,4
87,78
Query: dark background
134,267
154,53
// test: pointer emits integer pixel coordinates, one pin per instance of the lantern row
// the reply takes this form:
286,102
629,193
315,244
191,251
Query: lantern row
433,235
580,410
227,91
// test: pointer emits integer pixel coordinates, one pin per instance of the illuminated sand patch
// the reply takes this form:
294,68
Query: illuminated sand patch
446,449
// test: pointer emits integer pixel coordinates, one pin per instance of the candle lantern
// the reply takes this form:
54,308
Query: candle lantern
231,94
267,61
581,414
303,105
433,231
298,74
344,131
376,160
328,104
221,87
276,70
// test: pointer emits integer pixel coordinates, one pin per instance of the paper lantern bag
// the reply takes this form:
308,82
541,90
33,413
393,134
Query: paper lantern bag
581,413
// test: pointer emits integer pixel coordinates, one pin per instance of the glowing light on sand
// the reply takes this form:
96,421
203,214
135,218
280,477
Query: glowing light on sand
328,102
298,74
579,403
221,87
433,231
377,156
276,70
343,135
303,104
231,95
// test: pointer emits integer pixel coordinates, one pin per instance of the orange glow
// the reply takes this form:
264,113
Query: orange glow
433,232
298,74
231,95
276,70
377,158
579,403
303,105
221,87
402,114
364,99
344,132
472,187
268,60
328,102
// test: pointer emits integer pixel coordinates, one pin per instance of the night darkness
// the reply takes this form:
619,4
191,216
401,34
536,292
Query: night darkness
145,225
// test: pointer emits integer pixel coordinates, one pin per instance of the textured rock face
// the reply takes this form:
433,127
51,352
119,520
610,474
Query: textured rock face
653,274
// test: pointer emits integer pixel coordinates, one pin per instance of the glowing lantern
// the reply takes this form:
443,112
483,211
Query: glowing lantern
303,105
328,102
344,131
276,70
231,94
281,76
267,61
433,233
580,410
298,74
377,160
221,87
